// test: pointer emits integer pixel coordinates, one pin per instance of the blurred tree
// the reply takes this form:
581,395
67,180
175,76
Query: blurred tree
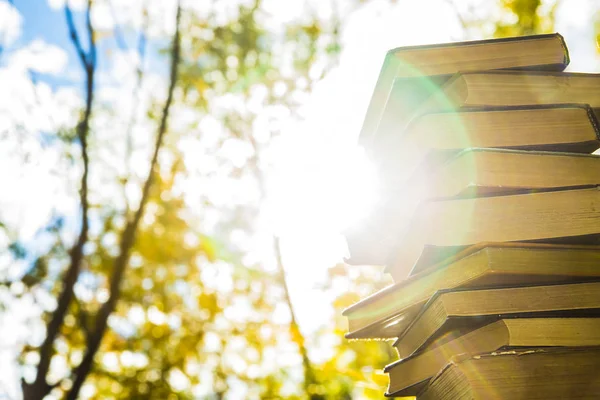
93,326
526,17
597,29
505,18
146,303
272,69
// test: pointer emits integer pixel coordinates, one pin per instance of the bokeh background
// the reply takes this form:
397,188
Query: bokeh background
174,233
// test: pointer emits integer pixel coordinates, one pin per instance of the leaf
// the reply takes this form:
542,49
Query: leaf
209,247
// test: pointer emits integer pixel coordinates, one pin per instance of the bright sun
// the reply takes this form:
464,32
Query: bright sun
324,187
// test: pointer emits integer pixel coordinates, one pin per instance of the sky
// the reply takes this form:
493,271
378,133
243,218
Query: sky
332,119
40,43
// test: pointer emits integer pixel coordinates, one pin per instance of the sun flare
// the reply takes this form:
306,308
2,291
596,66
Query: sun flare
329,186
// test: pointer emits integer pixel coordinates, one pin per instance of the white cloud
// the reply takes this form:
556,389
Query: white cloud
11,22
102,17
125,13
35,107
28,110
40,56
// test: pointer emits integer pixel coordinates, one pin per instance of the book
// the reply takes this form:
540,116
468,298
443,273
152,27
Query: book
433,138
477,172
484,172
417,71
572,215
388,312
511,88
478,89
408,376
526,374
474,172
457,309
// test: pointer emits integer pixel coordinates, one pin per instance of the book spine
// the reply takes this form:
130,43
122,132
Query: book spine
594,120
567,58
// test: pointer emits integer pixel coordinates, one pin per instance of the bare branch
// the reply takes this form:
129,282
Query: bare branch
74,35
309,374
128,237
39,388
91,34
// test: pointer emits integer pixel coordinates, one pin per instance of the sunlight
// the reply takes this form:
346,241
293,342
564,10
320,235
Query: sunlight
329,186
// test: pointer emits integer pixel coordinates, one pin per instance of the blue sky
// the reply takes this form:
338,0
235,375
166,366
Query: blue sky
42,22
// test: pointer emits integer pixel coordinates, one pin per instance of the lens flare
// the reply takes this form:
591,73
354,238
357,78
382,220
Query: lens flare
324,188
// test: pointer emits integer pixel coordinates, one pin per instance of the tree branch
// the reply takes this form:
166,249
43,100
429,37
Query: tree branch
297,336
91,34
128,237
74,35
39,388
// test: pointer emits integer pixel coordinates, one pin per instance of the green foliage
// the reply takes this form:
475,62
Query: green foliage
526,17
597,29
193,319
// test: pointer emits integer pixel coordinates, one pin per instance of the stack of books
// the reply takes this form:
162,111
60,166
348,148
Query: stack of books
489,221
